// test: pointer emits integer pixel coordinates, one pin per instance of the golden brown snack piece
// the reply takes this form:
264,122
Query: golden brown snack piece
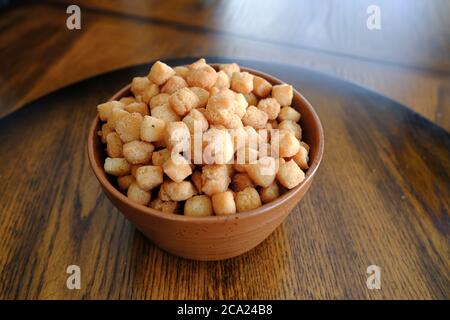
222,81
255,118
117,166
183,101
196,178
159,100
247,199
129,127
270,106
143,89
139,107
181,71
242,82
165,112
177,168
287,142
240,181
283,93
138,152
104,110
289,113
292,126
204,77
263,171
174,84
301,158
177,191
215,179
138,195
202,95
195,120
114,145
160,156
269,193
128,100
149,177
261,87
160,73
290,175
198,206
218,146
229,68
124,182
223,203
177,137
165,206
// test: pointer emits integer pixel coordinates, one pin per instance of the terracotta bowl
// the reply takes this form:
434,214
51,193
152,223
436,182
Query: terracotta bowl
215,237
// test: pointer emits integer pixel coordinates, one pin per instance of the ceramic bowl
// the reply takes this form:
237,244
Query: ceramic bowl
215,237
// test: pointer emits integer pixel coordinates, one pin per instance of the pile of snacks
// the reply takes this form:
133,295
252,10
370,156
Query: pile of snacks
202,142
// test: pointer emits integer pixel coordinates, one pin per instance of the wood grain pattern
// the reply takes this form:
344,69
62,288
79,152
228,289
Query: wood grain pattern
39,55
381,197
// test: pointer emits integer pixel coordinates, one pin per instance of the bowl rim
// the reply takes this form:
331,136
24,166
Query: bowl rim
265,208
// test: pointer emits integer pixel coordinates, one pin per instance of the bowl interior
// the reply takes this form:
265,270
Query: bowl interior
312,134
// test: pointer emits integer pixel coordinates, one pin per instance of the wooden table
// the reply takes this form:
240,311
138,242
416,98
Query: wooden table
381,197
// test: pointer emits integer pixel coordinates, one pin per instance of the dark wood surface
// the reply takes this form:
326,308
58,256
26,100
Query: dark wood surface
381,197
407,60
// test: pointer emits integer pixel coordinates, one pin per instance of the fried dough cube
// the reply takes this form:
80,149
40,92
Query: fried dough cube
218,146
283,93
196,178
294,127
245,156
255,118
117,166
204,77
196,121
152,129
177,168
129,127
104,110
183,101
174,84
138,152
116,114
178,137
289,113
214,179
270,106
289,174
138,195
301,158
269,193
161,156
160,73
288,143
114,145
242,82
165,112
222,81
178,191
261,87
262,172
247,199
134,168
202,95
241,105
229,68
197,64
128,100
143,89
124,182
165,206
240,181
181,71
220,107
106,129
149,177
198,206
139,107
223,203
159,100
252,100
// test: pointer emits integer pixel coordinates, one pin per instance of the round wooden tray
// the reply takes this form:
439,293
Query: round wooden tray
381,197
